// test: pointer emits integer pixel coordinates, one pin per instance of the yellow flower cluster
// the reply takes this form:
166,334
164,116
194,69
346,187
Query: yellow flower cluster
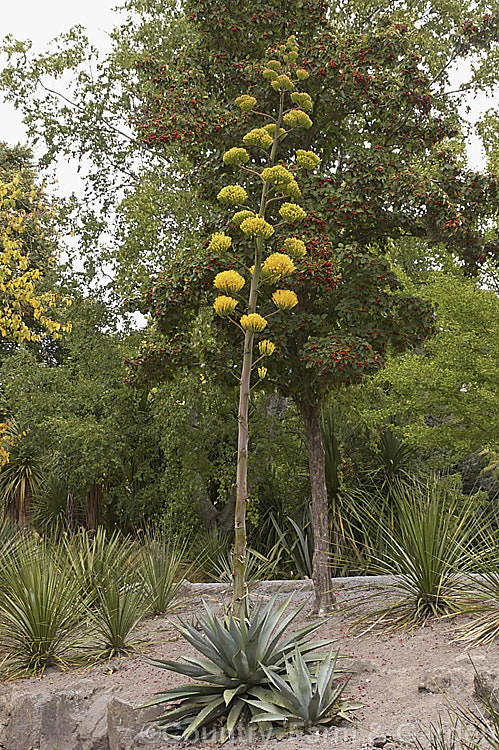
220,242
262,372
294,247
292,212
270,128
292,190
224,306
238,218
274,64
283,83
276,266
307,159
303,100
281,178
277,175
258,137
253,322
302,74
266,348
246,102
236,156
256,226
284,299
297,118
270,74
232,195
229,282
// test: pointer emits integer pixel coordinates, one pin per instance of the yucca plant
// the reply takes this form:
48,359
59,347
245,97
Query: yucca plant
234,656
257,567
206,549
427,548
97,559
300,699
481,584
297,542
41,610
118,608
161,567
107,571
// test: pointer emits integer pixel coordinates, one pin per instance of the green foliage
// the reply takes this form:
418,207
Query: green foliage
234,657
301,700
446,393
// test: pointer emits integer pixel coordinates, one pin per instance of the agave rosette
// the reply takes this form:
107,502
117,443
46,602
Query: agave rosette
235,656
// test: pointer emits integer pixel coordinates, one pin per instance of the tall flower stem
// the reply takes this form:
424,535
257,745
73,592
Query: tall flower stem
239,590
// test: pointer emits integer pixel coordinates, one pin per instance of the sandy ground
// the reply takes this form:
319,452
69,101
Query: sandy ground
390,673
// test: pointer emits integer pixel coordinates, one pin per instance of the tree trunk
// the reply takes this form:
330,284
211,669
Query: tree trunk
94,506
321,575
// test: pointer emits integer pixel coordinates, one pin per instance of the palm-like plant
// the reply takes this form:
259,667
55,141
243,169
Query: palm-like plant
302,700
20,480
235,654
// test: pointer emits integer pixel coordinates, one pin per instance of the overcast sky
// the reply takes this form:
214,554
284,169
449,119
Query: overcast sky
42,21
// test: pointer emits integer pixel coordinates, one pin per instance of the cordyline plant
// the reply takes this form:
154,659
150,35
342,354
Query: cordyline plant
279,191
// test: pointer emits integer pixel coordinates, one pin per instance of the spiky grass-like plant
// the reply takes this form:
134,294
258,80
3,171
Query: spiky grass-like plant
481,600
106,568
234,654
118,609
427,548
161,567
41,610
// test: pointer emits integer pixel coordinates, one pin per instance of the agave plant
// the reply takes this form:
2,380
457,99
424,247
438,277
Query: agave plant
235,654
302,700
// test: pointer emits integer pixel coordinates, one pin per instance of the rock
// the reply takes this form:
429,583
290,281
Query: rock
66,720
486,688
379,741
130,728
356,666
440,679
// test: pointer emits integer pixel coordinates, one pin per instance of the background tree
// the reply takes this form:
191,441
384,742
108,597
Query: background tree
374,118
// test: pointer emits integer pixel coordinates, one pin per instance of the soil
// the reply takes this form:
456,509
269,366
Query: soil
391,672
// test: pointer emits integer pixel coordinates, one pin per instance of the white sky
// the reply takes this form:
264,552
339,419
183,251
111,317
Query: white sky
42,21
